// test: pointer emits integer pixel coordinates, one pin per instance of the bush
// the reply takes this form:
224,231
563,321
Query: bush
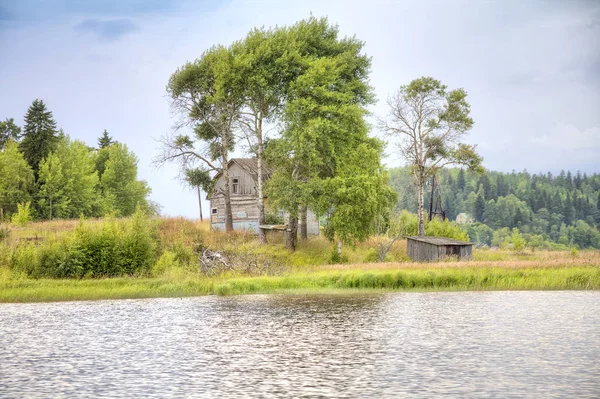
336,258
272,218
23,215
109,250
4,233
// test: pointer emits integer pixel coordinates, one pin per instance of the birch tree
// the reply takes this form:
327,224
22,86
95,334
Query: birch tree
206,95
428,124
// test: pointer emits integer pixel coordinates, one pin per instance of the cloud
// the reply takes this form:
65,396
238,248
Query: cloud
32,10
112,29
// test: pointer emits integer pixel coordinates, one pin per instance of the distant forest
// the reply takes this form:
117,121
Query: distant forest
554,212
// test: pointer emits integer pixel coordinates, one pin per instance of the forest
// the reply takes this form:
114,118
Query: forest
45,174
550,211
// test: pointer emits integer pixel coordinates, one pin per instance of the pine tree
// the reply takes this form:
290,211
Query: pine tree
105,140
40,136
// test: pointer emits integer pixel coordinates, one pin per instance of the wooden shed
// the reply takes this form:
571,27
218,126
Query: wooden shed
433,249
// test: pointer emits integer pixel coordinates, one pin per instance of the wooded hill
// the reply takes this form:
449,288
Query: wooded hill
551,211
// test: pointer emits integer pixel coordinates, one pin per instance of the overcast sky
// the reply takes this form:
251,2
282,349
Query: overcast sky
531,68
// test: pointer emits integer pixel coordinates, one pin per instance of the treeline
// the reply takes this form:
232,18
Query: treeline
44,174
550,211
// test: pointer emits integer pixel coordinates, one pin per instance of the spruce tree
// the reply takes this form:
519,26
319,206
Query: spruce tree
479,207
40,136
461,180
105,140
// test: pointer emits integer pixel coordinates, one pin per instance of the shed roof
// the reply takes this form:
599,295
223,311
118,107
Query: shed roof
440,240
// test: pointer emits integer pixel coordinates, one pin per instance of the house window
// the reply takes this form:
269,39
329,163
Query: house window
214,211
235,185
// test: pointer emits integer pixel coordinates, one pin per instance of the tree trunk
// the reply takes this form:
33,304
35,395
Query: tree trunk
339,248
304,223
228,213
199,202
421,210
292,233
262,235
431,199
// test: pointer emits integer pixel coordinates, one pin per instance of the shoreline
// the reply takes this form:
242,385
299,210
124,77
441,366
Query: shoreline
341,280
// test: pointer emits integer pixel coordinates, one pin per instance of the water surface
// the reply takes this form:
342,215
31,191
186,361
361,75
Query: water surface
481,344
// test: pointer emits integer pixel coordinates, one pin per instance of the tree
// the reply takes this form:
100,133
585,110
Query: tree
201,181
105,140
480,207
460,183
207,95
9,131
316,160
428,122
121,191
40,136
265,70
68,181
16,178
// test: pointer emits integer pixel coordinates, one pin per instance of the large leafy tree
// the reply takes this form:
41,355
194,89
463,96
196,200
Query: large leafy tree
325,135
68,181
207,96
267,68
9,131
16,178
40,136
121,191
429,123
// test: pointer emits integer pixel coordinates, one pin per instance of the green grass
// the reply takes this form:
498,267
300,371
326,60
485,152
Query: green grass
389,280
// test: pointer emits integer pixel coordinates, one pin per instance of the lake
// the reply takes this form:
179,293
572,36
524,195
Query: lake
462,344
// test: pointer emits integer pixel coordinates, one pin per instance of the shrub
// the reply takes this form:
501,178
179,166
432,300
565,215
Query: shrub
109,250
4,233
272,218
23,215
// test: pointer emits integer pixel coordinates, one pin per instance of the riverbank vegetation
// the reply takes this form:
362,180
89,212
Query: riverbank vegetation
158,257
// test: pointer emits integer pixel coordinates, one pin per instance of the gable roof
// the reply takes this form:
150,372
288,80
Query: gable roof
250,166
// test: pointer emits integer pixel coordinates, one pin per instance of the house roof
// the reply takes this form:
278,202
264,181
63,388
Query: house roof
250,165
439,241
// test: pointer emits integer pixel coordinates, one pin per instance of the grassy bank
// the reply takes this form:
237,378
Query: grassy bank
159,258
416,279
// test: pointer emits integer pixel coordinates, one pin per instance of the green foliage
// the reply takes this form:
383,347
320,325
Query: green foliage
336,258
112,249
121,191
561,209
4,233
16,178
517,240
105,140
68,181
273,218
23,215
9,131
40,136
429,123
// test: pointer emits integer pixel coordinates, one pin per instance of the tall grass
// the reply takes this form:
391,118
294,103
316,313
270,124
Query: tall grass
434,279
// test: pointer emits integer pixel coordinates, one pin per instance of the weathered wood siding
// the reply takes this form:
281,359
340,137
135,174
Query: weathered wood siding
244,204
420,251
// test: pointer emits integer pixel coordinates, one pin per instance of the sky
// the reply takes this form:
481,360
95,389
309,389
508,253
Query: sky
531,69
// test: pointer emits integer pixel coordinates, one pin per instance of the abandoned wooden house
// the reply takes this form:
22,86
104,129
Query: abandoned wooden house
243,179
433,249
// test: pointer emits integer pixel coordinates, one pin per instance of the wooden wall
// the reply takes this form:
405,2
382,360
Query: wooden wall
420,251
